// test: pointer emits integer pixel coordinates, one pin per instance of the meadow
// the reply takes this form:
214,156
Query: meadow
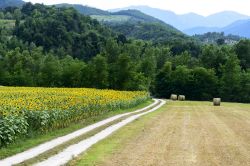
7,23
180,133
115,18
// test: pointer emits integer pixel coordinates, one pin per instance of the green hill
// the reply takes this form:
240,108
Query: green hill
132,23
63,30
155,32
115,17
86,10
137,16
7,3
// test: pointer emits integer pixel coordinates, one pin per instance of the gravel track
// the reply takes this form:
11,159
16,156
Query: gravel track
33,152
76,149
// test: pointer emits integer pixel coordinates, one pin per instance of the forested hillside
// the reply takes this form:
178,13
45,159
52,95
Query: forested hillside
64,31
59,47
86,10
132,23
148,31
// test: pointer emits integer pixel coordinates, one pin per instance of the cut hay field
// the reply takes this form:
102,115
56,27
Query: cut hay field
180,133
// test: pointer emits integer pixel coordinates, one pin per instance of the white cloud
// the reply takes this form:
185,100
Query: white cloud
204,7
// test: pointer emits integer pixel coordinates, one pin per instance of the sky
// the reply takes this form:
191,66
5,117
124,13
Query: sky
202,7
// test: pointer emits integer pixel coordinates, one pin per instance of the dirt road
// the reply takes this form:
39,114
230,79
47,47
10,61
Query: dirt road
189,133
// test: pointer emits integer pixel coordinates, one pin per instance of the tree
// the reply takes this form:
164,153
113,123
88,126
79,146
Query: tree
180,81
51,72
220,41
17,15
71,72
123,72
244,95
242,50
205,84
148,63
163,83
1,15
121,39
230,81
184,59
163,56
8,16
112,50
99,72
213,57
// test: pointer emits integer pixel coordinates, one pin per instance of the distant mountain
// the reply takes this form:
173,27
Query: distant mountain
239,28
225,18
132,23
7,3
190,20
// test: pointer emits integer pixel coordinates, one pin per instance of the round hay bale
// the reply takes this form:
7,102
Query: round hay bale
173,97
217,101
181,98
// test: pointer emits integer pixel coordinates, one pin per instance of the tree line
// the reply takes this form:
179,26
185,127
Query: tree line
51,47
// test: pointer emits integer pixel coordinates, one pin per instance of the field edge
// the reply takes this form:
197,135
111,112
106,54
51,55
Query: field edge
24,144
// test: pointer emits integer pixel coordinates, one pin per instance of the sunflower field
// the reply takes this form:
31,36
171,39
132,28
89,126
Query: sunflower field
24,109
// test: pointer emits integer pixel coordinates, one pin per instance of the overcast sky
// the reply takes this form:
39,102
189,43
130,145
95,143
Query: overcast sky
203,7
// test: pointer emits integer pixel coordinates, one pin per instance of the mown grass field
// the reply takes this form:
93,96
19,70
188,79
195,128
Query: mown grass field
114,18
180,133
7,23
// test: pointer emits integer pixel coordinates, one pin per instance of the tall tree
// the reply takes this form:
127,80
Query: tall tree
243,52
230,81
100,72
163,81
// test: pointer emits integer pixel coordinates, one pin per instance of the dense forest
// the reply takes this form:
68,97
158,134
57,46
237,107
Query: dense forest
59,47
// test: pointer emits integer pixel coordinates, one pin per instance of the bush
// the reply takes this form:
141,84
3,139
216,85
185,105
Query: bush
11,127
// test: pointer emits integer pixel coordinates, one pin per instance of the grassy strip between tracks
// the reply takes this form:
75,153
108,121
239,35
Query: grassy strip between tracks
36,138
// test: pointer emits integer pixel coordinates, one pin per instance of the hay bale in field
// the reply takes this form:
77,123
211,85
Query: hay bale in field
181,98
173,97
217,101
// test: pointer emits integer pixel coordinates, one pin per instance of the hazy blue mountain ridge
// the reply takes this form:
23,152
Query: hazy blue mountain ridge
190,20
240,28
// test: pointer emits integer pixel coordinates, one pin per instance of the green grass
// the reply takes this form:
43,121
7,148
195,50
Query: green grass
7,23
36,138
115,142
115,18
